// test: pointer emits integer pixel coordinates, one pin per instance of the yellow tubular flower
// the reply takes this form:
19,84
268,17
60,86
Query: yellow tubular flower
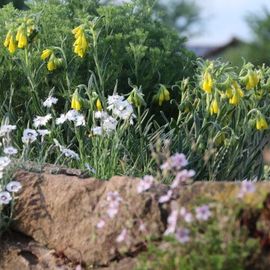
7,39
22,41
21,38
252,80
237,94
99,105
229,93
75,101
46,54
214,107
80,45
12,45
51,65
207,83
261,123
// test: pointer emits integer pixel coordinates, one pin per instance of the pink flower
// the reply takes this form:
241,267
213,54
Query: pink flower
203,212
166,197
113,199
100,224
112,211
145,183
172,222
122,236
187,216
175,162
182,235
181,177
246,187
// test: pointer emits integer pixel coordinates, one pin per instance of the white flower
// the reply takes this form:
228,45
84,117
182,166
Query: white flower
42,120
6,129
69,153
50,101
80,120
43,132
121,108
29,135
112,100
122,236
62,119
5,197
4,162
71,115
109,124
97,131
13,186
100,115
10,150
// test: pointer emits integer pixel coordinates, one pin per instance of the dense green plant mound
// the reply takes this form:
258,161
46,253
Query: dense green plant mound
129,44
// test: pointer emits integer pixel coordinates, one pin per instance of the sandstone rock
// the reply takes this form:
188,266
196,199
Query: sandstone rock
21,253
62,213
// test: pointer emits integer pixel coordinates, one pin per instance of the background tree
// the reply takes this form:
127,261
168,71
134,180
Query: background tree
19,4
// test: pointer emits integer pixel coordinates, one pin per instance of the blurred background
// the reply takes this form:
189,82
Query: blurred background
226,29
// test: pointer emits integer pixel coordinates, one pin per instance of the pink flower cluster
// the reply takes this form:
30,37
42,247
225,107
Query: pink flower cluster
202,213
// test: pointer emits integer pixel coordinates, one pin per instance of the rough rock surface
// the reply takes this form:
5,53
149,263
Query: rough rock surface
62,213
56,216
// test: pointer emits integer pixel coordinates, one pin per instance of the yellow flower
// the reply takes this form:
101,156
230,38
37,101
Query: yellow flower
7,39
10,42
12,45
80,45
207,83
252,80
237,93
51,65
214,107
21,38
261,123
99,105
229,93
75,101
162,95
46,53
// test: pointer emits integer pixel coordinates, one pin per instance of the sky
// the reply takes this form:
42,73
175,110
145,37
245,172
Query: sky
224,19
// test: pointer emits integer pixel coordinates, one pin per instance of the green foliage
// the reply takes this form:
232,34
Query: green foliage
225,145
218,244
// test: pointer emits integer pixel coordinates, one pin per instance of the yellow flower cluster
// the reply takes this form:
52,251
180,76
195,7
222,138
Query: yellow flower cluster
80,45
53,61
214,107
252,79
162,95
19,38
234,93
